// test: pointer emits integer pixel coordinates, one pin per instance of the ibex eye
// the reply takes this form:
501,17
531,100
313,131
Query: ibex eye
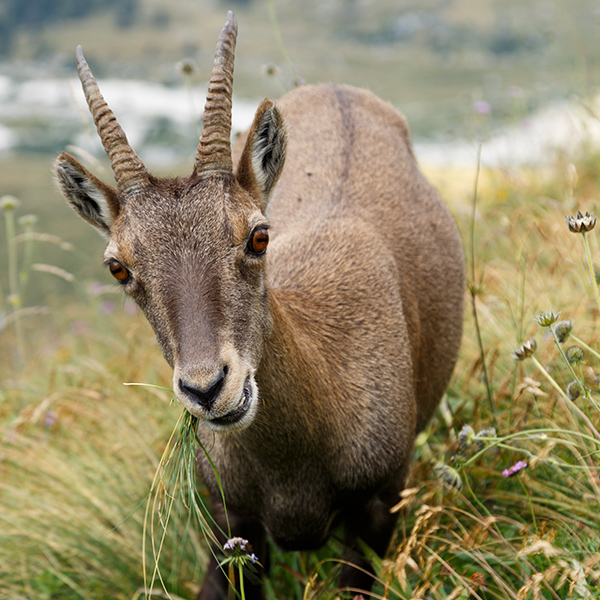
118,271
259,240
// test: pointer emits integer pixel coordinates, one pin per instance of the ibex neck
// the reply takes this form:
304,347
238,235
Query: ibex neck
293,361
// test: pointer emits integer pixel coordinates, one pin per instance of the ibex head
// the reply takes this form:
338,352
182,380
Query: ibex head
191,251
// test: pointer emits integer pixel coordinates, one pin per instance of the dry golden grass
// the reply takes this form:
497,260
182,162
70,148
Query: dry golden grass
78,450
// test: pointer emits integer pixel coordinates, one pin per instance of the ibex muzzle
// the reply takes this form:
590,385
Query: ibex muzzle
312,313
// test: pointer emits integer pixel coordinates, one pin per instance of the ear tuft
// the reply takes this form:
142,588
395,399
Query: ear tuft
92,199
264,154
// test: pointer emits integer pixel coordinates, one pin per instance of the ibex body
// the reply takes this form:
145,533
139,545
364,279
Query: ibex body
311,364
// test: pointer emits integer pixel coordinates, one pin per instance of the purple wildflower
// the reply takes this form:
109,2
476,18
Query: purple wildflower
107,307
50,419
481,107
96,288
238,548
521,464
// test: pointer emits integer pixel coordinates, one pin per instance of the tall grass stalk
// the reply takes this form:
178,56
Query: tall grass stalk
474,290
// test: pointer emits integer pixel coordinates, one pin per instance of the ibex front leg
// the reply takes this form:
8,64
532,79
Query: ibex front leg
216,582
374,525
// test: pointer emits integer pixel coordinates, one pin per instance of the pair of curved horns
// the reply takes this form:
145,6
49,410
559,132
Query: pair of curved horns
214,148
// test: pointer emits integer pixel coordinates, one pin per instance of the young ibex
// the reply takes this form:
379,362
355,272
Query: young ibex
312,364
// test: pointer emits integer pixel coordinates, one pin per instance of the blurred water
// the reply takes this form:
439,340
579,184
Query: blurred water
161,123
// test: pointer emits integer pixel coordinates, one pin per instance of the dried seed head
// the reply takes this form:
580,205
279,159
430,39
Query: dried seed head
575,354
465,437
573,390
525,350
581,223
562,330
271,70
9,202
488,432
27,221
448,475
459,461
546,319
186,66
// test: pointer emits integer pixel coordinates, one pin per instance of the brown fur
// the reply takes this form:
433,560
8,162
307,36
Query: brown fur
350,324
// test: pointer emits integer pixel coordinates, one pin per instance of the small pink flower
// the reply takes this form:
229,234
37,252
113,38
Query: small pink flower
50,419
129,307
96,288
481,107
107,307
521,464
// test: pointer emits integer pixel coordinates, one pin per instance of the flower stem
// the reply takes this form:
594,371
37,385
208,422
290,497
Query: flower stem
569,366
473,290
241,573
591,267
278,38
585,346
565,399
14,299
530,503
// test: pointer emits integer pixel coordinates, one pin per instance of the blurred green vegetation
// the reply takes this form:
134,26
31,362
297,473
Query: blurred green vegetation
78,449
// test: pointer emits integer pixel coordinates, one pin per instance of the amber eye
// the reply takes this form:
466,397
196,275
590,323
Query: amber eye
118,271
259,241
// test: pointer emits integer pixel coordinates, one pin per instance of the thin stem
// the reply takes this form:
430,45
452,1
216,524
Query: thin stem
591,267
580,380
187,77
530,503
278,38
566,361
474,291
13,275
241,573
565,399
572,408
27,259
585,346
13,278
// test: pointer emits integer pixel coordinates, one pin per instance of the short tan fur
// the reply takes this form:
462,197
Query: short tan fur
314,362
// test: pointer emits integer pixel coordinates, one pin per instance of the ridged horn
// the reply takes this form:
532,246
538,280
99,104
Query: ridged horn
130,172
214,149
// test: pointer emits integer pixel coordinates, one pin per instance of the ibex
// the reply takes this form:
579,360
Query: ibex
312,313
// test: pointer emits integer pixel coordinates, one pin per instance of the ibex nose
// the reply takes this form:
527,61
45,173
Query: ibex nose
204,397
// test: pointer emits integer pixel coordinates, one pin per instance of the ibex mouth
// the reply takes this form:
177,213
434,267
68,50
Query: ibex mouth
233,419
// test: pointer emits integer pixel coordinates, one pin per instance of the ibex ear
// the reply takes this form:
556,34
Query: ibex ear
92,199
264,153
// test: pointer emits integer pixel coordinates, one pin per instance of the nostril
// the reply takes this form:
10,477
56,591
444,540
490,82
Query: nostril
205,397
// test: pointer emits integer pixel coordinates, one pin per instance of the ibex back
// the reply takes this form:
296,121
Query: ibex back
313,363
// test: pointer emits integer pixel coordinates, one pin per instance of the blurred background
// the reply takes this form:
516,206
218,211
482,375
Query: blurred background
78,450
520,76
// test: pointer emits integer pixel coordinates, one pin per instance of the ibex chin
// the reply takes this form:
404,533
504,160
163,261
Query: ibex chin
312,313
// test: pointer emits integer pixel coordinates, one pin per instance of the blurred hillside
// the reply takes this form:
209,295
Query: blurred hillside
461,71
435,59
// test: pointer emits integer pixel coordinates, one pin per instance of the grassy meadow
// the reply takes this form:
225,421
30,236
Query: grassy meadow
79,450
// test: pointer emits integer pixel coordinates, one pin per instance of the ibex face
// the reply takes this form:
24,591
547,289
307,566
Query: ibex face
191,251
